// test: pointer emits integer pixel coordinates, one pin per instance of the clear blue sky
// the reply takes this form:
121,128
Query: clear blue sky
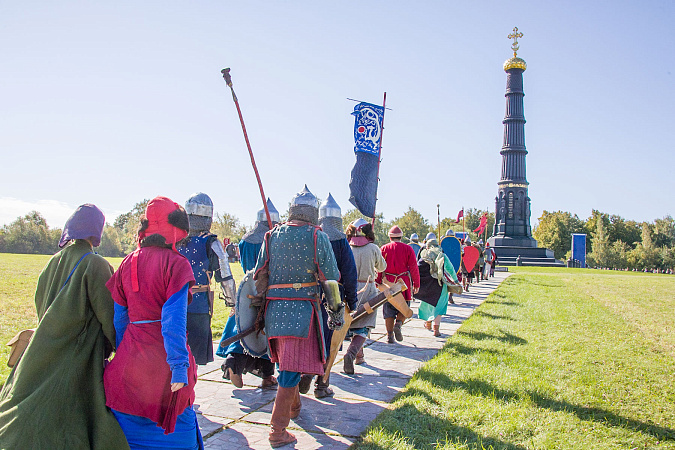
114,102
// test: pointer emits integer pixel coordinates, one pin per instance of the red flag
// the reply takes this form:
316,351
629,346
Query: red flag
483,224
460,214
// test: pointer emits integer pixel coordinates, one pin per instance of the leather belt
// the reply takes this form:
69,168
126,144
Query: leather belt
296,286
200,288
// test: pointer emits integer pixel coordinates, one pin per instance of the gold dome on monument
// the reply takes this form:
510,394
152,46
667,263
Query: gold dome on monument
515,63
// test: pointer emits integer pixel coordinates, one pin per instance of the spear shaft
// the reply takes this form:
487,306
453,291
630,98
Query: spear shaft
228,80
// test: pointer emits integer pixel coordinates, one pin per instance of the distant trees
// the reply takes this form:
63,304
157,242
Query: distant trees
555,230
611,240
29,234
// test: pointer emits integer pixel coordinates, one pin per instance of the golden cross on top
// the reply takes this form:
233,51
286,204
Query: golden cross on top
515,35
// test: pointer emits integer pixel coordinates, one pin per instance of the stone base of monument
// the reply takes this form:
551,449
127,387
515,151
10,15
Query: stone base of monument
529,256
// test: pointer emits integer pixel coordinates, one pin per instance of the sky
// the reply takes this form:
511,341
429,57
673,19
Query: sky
115,102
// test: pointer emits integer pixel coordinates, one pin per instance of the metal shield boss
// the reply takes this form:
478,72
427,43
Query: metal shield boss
245,315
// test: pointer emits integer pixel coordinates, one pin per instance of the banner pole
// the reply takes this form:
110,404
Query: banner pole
228,80
379,154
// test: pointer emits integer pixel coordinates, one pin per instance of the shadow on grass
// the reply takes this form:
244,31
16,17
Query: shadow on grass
507,337
481,388
424,430
492,316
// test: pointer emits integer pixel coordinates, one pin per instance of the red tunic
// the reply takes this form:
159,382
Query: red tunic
138,380
401,264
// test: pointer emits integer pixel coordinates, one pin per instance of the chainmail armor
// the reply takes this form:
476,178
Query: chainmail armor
305,213
199,224
257,234
332,226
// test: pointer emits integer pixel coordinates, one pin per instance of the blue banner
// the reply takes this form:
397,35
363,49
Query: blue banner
368,127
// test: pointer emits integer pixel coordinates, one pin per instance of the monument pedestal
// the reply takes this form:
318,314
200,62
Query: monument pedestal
529,256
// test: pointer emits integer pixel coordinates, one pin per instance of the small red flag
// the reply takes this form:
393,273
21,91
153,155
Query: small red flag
460,214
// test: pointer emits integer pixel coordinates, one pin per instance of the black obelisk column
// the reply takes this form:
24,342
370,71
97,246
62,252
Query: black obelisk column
512,204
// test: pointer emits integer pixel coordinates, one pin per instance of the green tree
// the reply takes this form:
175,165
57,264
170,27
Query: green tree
30,234
600,255
412,222
228,225
111,245
127,226
664,232
381,226
554,231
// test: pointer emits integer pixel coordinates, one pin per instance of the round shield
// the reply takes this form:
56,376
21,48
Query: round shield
416,247
245,315
453,250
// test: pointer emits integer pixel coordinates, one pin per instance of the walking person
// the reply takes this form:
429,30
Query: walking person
436,277
208,259
401,265
149,384
237,361
369,262
330,219
53,397
295,257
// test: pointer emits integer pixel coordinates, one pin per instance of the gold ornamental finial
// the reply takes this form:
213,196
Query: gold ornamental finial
515,35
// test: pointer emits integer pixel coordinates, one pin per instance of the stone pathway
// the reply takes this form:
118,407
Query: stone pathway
232,418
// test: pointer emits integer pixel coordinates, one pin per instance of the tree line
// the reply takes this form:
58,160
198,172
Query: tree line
611,241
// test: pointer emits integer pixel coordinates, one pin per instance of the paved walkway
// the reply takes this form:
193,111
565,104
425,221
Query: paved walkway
232,418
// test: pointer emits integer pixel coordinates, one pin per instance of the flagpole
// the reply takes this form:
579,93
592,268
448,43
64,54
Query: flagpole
379,153
228,80
438,212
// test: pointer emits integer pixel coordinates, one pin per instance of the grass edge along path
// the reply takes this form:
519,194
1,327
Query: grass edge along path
539,365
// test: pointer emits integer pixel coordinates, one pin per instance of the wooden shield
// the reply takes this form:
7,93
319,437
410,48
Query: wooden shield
471,255
453,250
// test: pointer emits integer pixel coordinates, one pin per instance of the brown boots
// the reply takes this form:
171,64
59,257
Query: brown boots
286,406
437,330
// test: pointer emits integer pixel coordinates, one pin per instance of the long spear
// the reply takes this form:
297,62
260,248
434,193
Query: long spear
379,152
228,80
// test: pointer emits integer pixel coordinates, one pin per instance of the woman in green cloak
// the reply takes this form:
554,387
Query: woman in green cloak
54,396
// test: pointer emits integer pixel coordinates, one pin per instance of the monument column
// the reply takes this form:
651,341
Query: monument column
512,204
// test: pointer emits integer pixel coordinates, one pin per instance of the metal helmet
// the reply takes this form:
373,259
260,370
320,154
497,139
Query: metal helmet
330,219
274,214
199,208
414,237
305,207
449,233
430,236
330,208
467,241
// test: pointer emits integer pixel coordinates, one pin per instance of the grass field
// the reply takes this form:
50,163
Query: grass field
554,359
18,278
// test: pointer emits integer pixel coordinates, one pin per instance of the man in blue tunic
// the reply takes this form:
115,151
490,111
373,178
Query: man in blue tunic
208,258
237,362
330,219
294,259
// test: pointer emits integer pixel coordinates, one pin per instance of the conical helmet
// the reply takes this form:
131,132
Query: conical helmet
305,207
414,237
330,219
330,208
274,214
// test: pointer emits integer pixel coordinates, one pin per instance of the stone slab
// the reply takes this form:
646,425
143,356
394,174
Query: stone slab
244,435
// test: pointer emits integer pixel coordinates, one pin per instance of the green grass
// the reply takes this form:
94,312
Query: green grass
18,278
555,358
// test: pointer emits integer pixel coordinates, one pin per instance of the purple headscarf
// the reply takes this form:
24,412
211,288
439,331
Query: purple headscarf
86,223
